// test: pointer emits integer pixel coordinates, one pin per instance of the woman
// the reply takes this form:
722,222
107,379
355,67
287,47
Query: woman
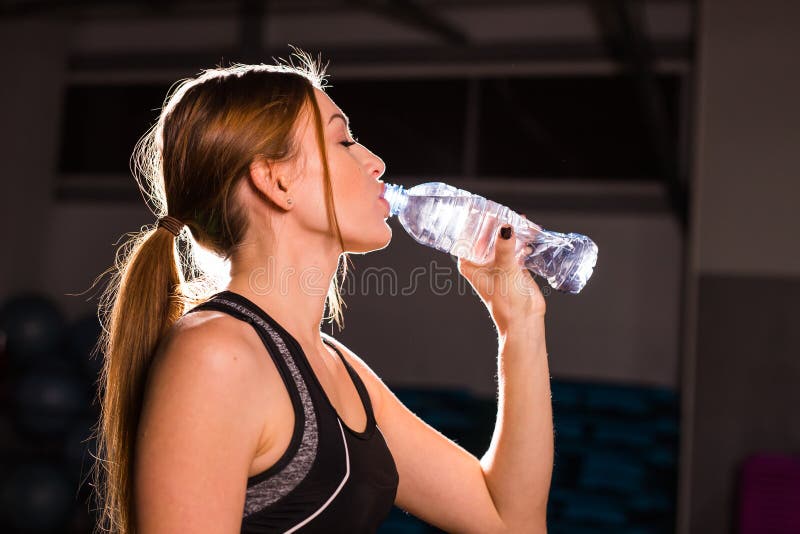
224,407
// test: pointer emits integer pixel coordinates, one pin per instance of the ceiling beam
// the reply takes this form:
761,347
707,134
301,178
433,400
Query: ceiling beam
556,51
414,14
620,24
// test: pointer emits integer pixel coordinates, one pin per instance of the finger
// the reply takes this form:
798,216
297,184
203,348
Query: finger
505,246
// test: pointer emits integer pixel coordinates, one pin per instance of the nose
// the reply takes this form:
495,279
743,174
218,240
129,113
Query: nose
375,165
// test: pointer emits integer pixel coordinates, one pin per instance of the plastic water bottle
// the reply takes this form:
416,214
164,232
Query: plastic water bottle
466,225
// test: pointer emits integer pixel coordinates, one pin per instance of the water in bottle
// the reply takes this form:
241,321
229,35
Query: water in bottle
466,225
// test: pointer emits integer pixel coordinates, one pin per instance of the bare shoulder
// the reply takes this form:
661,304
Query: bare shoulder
203,331
208,351
375,386
209,346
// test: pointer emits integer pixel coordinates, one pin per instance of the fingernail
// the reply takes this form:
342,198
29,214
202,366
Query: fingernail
505,232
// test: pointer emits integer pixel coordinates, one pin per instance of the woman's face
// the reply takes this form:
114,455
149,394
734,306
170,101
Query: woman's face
354,174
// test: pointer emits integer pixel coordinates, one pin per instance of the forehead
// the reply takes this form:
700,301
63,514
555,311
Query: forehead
304,129
327,106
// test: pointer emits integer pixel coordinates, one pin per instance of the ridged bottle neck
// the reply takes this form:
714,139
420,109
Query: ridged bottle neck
396,196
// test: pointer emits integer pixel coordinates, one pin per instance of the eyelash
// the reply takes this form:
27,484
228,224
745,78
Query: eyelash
348,144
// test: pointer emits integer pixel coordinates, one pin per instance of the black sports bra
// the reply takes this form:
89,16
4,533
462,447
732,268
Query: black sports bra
331,478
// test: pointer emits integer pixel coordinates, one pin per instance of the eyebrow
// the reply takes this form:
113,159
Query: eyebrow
340,116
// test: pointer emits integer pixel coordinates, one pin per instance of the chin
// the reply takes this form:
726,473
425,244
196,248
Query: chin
370,243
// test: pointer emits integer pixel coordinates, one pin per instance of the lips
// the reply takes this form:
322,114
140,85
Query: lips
385,203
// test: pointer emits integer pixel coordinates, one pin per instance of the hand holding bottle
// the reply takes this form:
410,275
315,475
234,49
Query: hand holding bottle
508,290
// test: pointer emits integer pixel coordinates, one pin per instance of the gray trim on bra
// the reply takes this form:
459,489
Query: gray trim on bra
269,491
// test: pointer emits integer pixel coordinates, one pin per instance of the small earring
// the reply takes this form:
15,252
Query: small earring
288,200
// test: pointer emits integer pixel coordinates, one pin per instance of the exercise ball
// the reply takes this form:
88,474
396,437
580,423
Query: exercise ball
47,401
32,326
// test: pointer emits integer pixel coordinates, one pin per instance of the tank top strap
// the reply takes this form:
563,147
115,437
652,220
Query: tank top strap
360,387
214,303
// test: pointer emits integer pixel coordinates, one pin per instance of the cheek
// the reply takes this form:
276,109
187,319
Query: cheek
351,194
346,181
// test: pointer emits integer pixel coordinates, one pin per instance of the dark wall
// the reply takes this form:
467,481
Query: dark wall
741,367
747,394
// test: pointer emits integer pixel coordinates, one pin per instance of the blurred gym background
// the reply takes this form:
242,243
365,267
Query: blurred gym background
666,130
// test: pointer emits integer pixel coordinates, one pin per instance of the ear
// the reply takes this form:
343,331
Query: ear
267,178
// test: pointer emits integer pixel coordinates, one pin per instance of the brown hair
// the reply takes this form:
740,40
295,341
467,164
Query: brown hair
188,165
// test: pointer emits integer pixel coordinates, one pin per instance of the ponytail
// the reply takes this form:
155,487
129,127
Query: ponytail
143,299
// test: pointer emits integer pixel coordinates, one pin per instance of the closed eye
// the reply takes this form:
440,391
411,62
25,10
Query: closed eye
348,143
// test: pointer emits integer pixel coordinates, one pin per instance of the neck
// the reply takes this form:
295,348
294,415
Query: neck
289,280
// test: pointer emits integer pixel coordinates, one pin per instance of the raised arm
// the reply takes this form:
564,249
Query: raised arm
518,466
519,463
507,490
